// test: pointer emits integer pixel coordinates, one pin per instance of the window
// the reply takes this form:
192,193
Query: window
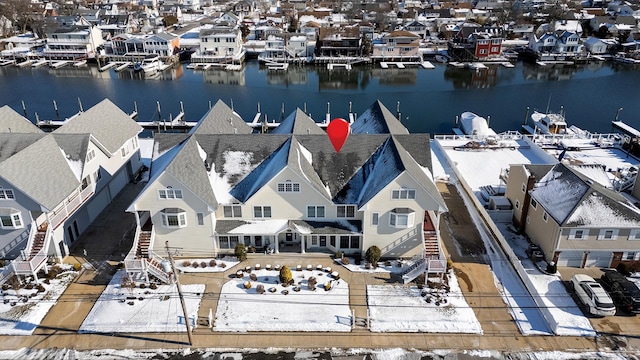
174,218
483,51
90,155
97,176
545,217
517,204
332,240
315,211
355,242
403,194
288,187
631,255
228,242
262,211
495,41
634,234
534,203
170,194
402,218
200,218
125,150
375,217
346,211
314,240
494,49
524,188
578,234
608,234
232,211
6,194
344,242
10,218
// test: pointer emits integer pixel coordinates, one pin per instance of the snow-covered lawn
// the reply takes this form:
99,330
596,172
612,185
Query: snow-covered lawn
195,265
142,310
22,311
241,309
394,308
393,267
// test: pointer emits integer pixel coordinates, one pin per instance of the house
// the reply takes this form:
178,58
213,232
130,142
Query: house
576,221
71,42
288,191
339,42
400,45
219,44
285,46
473,43
596,46
47,202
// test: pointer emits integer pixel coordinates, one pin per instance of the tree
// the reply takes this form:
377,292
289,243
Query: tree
286,277
372,255
240,252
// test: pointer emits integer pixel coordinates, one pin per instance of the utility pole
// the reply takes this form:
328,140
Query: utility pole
184,306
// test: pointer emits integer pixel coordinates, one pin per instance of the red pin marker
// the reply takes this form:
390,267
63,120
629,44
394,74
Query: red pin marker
338,131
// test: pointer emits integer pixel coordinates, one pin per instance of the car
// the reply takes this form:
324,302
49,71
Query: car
625,293
592,295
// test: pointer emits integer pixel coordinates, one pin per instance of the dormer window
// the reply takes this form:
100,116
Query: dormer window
174,218
402,218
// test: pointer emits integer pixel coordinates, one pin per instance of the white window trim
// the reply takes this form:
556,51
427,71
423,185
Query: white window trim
180,216
375,218
233,212
636,255
545,216
7,194
393,220
200,219
16,220
572,234
524,188
346,212
634,234
169,194
409,194
293,187
517,204
262,211
91,155
534,204
315,211
603,232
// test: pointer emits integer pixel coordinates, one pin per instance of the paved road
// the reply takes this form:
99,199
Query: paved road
108,240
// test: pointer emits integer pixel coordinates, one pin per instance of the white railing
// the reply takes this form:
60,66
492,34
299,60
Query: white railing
155,271
69,205
416,269
32,265
33,230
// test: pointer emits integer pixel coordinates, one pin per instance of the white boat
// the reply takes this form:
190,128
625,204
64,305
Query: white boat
549,123
150,65
441,58
472,124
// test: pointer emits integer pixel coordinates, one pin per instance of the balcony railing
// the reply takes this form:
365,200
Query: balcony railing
70,204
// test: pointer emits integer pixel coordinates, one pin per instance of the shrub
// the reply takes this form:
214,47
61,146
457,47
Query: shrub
345,261
623,269
52,273
372,255
240,252
77,266
260,289
247,285
339,254
552,268
1,262
40,288
195,265
223,265
311,283
286,277
253,277
327,286
252,249
449,264
387,263
29,286
5,287
153,286
143,286
212,263
186,263
203,264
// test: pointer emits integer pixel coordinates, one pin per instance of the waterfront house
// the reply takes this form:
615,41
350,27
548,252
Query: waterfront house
575,218
72,41
136,46
47,202
219,44
400,45
288,191
597,46
343,41
473,43
285,47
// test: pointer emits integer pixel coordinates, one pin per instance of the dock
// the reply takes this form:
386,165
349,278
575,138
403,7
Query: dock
24,63
107,66
59,64
7,62
80,63
427,65
625,129
39,63
384,65
123,66
332,66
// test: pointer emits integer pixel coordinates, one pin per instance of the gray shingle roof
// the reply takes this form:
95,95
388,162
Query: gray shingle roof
41,171
73,145
377,119
106,122
11,144
12,122
312,227
221,120
298,123
188,167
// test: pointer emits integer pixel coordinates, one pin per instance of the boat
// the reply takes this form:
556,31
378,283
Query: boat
549,123
441,58
473,124
150,65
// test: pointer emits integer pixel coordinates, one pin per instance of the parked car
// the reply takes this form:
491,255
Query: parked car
625,293
592,295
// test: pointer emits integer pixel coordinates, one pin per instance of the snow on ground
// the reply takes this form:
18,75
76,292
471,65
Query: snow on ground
395,308
18,317
241,309
134,310
393,267
195,265
570,319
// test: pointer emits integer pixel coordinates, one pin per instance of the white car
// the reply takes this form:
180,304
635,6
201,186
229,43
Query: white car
593,295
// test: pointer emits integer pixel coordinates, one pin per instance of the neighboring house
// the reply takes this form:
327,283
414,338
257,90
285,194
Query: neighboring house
568,43
576,220
73,42
163,44
288,191
245,8
339,41
417,28
21,45
285,46
219,44
54,185
597,46
399,45
476,43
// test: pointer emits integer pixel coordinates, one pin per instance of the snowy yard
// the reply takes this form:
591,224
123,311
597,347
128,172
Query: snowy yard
22,311
395,308
128,309
280,308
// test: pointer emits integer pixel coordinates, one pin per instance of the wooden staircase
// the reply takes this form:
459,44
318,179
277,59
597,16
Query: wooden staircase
144,241
38,243
431,245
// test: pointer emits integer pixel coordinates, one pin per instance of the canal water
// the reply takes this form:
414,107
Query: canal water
428,100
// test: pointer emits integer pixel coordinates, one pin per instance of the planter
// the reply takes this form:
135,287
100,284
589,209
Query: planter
268,266
258,266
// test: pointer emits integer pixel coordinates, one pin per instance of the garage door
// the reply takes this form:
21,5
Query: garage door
570,258
118,182
599,259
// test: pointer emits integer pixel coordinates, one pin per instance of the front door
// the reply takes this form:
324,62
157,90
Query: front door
288,238
323,241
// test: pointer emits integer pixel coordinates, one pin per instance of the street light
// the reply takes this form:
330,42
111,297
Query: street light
618,113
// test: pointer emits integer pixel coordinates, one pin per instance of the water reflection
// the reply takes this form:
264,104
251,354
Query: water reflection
474,79
294,75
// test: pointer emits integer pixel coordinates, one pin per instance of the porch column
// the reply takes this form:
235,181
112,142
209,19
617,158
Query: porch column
277,244
302,251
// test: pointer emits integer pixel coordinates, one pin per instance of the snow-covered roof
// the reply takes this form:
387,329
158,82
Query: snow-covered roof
298,123
377,119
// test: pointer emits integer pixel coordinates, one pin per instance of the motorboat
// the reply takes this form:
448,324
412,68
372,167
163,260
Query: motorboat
150,65
549,123
473,124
